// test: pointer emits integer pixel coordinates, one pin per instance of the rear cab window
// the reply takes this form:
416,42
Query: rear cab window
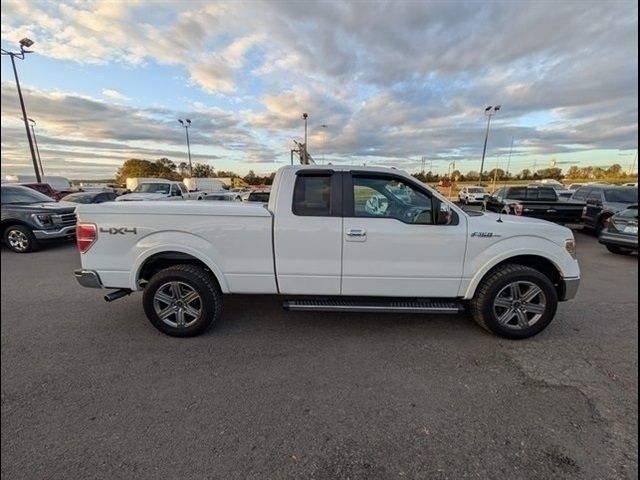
313,195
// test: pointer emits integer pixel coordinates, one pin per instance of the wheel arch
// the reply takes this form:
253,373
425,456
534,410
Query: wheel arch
12,222
536,261
154,261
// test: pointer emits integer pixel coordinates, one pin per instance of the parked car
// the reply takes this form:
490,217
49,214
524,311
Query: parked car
30,218
258,196
534,201
159,189
422,254
620,233
61,185
204,184
91,197
224,196
469,195
44,188
633,184
603,201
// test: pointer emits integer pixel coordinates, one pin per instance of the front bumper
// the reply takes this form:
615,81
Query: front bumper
63,232
88,278
619,239
569,288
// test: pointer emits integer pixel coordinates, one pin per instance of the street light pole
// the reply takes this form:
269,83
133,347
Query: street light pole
35,141
186,124
489,112
24,43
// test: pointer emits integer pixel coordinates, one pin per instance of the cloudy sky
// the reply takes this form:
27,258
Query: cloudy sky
392,81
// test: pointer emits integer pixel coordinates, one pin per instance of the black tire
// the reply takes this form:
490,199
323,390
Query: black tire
190,277
618,250
20,239
482,305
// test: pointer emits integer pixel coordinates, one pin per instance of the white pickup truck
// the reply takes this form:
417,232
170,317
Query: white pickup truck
319,244
160,189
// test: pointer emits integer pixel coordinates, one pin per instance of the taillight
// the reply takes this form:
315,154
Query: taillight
86,235
518,209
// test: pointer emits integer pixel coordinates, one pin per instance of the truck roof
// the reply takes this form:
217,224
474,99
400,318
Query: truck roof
346,168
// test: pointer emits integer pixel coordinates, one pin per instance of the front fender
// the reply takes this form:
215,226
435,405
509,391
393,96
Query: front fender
173,241
480,263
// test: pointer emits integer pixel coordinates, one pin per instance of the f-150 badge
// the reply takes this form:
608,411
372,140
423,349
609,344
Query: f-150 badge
484,235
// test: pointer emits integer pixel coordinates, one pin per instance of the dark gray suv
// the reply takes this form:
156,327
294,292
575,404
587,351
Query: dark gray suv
602,202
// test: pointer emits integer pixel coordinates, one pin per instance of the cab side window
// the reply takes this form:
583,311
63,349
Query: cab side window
390,197
312,196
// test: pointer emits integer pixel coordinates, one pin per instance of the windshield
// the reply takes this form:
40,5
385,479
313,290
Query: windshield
152,188
621,195
476,190
23,196
79,198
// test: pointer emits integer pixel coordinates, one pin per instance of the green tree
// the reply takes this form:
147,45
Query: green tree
614,171
251,178
554,172
202,170
525,174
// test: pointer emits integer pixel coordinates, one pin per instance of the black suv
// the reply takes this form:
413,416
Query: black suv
30,217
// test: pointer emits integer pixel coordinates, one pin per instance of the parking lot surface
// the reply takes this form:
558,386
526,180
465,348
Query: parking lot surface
92,390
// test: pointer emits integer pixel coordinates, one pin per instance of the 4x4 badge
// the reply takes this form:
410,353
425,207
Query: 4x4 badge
119,231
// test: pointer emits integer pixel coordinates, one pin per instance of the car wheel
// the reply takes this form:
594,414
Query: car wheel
618,250
515,302
182,301
20,239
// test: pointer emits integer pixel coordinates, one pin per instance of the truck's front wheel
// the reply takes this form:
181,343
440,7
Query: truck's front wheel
182,301
515,302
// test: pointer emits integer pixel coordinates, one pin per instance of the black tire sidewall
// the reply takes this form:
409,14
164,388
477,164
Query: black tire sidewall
497,285
208,298
33,242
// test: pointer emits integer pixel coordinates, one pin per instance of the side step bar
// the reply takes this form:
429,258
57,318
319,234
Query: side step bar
398,306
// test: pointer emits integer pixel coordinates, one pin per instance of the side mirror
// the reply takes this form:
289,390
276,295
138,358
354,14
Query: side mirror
444,214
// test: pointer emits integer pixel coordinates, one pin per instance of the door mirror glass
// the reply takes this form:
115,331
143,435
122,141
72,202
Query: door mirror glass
444,214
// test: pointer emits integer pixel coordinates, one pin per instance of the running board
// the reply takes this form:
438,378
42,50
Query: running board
397,306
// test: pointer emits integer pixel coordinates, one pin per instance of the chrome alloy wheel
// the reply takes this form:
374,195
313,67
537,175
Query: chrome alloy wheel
519,305
18,240
177,304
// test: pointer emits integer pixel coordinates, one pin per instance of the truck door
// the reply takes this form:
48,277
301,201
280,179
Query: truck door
396,243
308,232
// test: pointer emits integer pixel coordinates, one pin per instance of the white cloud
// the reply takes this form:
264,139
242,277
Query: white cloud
114,94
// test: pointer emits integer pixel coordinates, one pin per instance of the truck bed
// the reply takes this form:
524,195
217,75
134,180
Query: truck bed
237,237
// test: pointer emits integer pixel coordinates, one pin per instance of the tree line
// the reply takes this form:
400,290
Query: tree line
165,168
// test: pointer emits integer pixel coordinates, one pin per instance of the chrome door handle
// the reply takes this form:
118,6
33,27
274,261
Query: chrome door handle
356,233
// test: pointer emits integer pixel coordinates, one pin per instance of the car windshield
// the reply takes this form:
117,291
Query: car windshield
476,190
152,188
79,198
23,196
621,195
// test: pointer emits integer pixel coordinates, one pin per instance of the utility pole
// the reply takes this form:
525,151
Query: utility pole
24,43
35,141
186,124
489,112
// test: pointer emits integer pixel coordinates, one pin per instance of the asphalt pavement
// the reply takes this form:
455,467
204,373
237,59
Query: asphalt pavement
92,390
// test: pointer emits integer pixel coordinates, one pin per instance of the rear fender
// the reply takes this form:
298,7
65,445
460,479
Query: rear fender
181,242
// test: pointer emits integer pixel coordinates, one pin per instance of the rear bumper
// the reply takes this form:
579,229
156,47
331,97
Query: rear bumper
619,240
88,278
63,232
569,288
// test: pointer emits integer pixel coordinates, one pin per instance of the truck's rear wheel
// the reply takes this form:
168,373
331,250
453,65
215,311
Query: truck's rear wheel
515,302
182,301
20,239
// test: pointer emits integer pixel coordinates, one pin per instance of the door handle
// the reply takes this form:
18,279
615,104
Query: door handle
356,235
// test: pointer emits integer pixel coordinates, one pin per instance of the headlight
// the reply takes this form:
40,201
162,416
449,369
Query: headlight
570,246
42,219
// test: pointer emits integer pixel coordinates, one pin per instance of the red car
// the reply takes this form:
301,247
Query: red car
43,188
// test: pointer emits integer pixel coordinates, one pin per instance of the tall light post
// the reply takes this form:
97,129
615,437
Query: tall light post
324,139
186,123
489,112
24,43
35,141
